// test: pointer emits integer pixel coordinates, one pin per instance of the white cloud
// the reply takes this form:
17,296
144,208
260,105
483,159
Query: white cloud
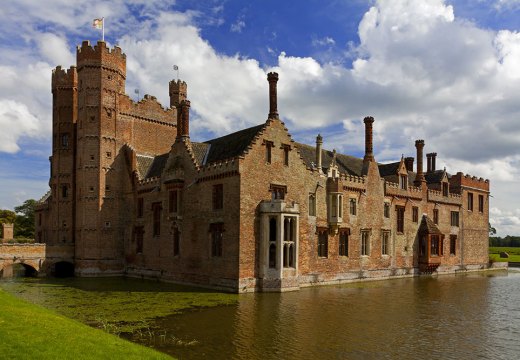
238,26
326,41
15,121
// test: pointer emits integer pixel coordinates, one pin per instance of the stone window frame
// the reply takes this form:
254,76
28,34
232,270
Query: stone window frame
470,201
400,211
323,242
140,207
156,218
385,242
481,203
269,145
216,235
365,242
344,240
277,191
352,206
436,216
286,150
386,210
454,218
453,245
403,182
312,204
415,214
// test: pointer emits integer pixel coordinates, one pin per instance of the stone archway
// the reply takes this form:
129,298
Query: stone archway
19,269
63,269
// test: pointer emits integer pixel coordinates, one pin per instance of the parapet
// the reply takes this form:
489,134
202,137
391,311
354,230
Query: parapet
460,179
113,59
64,78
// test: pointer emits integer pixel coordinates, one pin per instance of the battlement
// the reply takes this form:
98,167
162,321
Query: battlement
466,180
437,196
100,54
64,78
394,189
178,92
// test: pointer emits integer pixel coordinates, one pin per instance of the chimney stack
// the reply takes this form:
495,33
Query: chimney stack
369,155
419,179
319,142
434,158
272,77
408,163
428,162
183,120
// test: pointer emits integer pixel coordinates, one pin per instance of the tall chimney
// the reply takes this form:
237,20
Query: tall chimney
428,162
319,142
408,163
272,77
434,157
183,120
369,155
419,179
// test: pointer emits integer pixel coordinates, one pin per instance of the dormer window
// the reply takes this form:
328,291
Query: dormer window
403,182
445,189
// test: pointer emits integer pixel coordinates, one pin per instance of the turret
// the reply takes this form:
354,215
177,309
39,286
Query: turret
178,92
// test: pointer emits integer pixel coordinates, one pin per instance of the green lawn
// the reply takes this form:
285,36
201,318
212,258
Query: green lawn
514,254
29,331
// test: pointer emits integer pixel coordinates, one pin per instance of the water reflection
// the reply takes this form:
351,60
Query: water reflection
448,317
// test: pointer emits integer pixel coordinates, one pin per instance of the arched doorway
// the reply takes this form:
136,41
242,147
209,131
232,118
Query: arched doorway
63,269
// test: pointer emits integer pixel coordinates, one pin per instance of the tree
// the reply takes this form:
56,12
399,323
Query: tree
492,230
7,216
24,222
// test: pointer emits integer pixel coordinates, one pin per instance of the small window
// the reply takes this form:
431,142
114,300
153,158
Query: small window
268,151
415,214
107,188
470,201
65,140
109,154
91,189
312,205
140,207
352,205
403,182
218,197
216,233
278,192
176,241
91,157
365,242
400,219
323,243
436,216
139,237
343,242
173,199
286,149
455,218
385,242
109,77
435,246
387,210
107,224
481,203
453,244
156,209
64,191
445,189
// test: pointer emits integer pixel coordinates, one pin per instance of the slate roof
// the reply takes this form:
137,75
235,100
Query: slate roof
346,163
428,226
388,169
199,151
231,145
148,166
434,177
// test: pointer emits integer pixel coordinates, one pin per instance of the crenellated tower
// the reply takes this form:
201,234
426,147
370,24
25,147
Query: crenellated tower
99,228
60,228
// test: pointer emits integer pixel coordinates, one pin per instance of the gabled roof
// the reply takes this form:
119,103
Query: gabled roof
150,166
199,151
389,169
231,145
346,164
428,226
434,177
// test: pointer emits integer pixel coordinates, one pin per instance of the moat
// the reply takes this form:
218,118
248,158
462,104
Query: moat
447,317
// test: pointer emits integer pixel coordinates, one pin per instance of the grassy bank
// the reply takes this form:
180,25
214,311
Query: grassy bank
514,254
29,331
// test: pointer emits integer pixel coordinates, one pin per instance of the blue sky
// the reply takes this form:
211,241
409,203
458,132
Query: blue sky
444,71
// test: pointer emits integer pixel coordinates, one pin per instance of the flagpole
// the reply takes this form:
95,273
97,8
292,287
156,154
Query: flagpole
103,29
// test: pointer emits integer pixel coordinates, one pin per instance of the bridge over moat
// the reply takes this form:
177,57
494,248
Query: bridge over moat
36,259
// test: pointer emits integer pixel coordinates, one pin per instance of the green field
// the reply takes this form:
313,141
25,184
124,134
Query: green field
29,331
514,254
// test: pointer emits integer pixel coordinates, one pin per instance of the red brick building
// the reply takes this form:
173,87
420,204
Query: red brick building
250,211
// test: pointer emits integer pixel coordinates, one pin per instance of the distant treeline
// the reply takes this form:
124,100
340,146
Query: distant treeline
507,241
